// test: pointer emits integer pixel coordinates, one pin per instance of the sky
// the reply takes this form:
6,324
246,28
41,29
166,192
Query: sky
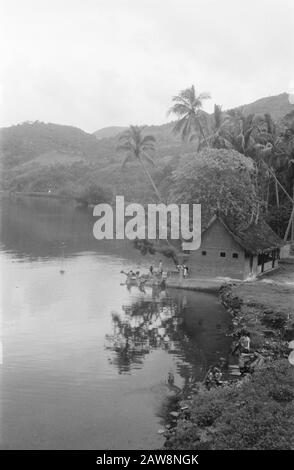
99,63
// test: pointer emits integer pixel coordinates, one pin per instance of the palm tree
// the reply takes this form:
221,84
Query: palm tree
267,152
138,147
287,146
188,109
242,131
219,137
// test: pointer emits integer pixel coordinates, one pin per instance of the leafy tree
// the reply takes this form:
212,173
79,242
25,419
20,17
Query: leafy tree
220,180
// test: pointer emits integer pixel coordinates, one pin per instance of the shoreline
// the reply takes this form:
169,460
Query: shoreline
265,307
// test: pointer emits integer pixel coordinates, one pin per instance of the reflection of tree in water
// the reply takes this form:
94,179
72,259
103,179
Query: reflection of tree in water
146,325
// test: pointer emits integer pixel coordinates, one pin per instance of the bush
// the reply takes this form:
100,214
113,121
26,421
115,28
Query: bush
257,414
94,194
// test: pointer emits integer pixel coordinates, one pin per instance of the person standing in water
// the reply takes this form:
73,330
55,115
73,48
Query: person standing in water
160,269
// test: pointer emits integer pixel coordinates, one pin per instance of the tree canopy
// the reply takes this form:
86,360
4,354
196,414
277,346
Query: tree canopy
220,180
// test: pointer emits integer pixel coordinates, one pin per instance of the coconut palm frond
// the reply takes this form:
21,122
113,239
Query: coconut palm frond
186,129
148,158
126,160
193,137
179,109
149,149
148,139
125,147
178,127
204,96
188,94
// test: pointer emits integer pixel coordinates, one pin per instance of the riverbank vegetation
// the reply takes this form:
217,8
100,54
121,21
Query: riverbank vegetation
255,414
255,411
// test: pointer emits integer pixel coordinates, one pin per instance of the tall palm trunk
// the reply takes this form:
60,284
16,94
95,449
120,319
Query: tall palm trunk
292,231
150,179
147,173
267,194
277,194
202,133
291,222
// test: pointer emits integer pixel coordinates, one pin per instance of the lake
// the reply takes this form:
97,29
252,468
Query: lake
84,359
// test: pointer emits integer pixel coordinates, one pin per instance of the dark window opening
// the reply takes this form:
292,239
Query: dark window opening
204,253
235,255
222,254
266,257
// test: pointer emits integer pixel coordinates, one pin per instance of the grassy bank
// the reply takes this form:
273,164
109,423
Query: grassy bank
256,412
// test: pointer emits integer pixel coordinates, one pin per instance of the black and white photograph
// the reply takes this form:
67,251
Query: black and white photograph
146,228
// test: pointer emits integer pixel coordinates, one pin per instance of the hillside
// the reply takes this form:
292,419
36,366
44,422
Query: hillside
107,132
30,140
37,156
40,157
277,106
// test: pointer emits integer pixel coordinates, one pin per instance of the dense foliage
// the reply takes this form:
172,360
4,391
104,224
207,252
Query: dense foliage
256,415
94,194
218,179
268,145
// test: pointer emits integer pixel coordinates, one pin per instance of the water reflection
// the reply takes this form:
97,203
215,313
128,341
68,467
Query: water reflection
144,325
169,321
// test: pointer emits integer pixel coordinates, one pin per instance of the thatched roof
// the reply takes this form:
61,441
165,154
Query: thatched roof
256,238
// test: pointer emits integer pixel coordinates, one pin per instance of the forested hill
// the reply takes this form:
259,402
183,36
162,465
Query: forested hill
37,156
30,140
51,144
40,157
277,106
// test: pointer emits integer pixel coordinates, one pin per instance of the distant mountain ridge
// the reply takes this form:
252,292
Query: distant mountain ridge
39,156
277,106
107,132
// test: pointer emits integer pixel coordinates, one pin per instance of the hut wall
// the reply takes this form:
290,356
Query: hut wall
218,256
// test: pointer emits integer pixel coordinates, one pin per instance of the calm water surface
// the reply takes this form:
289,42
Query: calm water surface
85,360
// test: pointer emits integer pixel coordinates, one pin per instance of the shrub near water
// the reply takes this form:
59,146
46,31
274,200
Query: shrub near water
259,414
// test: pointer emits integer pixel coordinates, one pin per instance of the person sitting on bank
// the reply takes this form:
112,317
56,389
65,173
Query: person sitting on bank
245,343
213,377
242,346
